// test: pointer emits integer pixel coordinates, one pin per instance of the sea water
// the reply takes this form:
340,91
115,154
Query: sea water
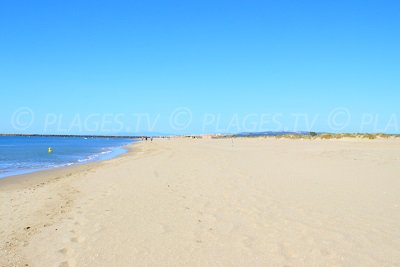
25,154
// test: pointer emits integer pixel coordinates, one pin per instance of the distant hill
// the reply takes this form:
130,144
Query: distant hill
271,133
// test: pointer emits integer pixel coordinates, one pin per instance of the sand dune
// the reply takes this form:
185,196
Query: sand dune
181,202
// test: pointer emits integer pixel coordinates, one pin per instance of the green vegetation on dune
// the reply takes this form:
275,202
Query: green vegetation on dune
314,135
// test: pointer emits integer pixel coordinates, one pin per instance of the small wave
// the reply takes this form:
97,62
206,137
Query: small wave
94,156
29,156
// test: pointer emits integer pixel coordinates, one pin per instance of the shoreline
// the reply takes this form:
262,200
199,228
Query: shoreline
26,175
58,178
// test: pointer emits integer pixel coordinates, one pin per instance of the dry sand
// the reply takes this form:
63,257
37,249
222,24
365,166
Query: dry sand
253,202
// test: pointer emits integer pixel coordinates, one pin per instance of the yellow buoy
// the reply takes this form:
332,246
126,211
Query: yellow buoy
50,150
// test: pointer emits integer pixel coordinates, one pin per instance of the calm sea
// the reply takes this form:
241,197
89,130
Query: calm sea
22,154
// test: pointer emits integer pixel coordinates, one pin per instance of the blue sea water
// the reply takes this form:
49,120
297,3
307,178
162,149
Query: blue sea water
23,154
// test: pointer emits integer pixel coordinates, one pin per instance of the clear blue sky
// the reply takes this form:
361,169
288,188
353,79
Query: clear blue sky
238,60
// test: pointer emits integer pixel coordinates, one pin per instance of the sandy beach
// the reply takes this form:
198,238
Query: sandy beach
211,202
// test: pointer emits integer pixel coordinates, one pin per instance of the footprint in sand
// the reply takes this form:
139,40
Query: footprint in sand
78,240
69,263
64,251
